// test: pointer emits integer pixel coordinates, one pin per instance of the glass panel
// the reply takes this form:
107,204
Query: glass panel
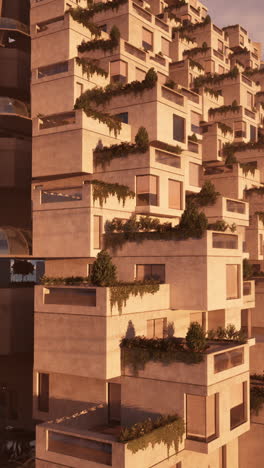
225,241
235,207
232,281
229,359
195,122
53,69
61,195
4,247
13,106
178,128
196,416
165,46
43,392
147,190
150,272
71,296
175,194
56,120
159,325
86,449
168,159
147,39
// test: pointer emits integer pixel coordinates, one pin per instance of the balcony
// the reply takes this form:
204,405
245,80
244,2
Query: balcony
232,211
93,301
97,447
57,135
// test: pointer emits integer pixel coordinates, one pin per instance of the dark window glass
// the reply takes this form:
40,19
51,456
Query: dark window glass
178,128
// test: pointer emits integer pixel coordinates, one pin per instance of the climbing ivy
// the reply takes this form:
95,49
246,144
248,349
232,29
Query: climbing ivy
196,50
194,64
234,107
103,44
102,190
90,67
165,429
120,293
84,15
256,190
213,93
215,78
249,167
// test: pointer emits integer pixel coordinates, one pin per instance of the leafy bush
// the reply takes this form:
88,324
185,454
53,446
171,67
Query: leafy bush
103,270
22,267
192,223
256,399
195,338
142,139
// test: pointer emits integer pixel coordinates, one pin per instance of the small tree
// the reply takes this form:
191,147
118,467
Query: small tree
151,78
192,223
248,269
103,270
142,139
196,338
22,267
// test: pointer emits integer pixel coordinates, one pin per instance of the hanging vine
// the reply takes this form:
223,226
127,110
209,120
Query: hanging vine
249,167
216,78
260,214
90,67
103,44
84,15
234,107
102,190
120,293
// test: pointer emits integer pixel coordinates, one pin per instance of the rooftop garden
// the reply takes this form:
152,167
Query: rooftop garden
192,27
104,274
230,149
138,351
234,107
215,78
168,429
85,15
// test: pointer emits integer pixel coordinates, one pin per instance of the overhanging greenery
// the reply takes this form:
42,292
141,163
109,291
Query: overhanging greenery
90,67
102,190
256,399
215,78
120,293
84,15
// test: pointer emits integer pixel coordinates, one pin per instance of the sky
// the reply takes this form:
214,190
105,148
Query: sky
248,13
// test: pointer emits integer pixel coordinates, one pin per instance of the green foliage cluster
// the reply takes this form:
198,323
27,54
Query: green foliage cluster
196,50
256,399
65,281
256,190
194,64
193,138
230,149
22,267
120,292
103,270
248,269
103,44
213,93
164,429
260,214
187,38
176,4
170,84
229,333
90,67
234,107
259,377
253,71
84,15
16,447
196,338
102,96
138,351
240,51
166,147
191,27
103,156
206,197
224,128
215,78
102,190
249,167
221,225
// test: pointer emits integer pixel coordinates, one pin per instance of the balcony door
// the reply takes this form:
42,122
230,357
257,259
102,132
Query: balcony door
114,403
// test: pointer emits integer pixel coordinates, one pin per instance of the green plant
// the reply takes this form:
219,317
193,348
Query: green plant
191,27
256,399
138,351
69,280
206,197
170,84
120,292
84,15
167,429
228,333
196,50
102,190
22,267
103,270
259,377
194,64
225,128
234,107
256,190
192,223
215,78
195,338
260,214
193,138
103,156
103,44
166,147
90,67
248,269
249,167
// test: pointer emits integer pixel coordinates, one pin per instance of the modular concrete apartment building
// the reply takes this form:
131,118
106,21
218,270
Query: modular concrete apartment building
148,144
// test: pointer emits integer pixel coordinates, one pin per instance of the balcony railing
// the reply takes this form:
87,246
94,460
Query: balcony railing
228,360
143,13
172,96
250,114
161,24
132,50
12,24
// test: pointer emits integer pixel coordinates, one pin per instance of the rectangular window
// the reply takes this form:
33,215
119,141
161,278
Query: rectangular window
147,39
194,170
253,133
240,129
140,74
238,413
261,244
114,402
43,392
250,101
222,457
235,206
228,360
220,46
225,241
97,234
57,120
147,190
232,281
165,46
168,159
53,69
220,147
175,194
241,40
118,71
79,447
195,122
150,272
157,328
178,128
201,417
63,195
123,117
79,89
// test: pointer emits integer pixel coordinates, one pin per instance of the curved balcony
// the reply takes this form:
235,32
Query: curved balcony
14,241
11,24
13,106
15,81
